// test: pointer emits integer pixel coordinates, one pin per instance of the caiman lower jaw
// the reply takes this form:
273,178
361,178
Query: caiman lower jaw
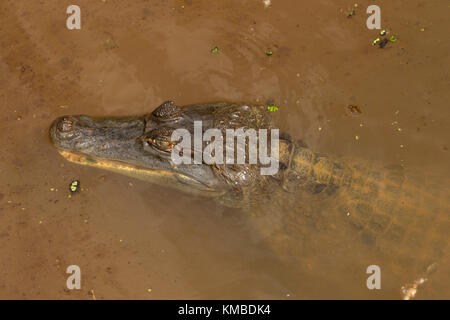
164,177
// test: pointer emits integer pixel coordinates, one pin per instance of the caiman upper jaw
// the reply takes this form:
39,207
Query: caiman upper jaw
78,133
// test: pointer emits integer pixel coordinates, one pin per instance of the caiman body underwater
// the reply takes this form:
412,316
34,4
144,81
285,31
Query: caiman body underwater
316,205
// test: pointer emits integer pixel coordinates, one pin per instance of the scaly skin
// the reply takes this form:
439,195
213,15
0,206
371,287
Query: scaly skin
355,211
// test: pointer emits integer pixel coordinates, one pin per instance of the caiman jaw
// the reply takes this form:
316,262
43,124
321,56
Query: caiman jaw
111,165
132,170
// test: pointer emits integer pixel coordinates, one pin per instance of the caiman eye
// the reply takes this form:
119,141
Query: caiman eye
167,111
160,139
162,145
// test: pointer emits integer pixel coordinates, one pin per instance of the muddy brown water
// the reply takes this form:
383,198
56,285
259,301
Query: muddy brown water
133,239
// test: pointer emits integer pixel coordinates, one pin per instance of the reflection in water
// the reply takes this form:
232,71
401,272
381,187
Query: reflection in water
137,240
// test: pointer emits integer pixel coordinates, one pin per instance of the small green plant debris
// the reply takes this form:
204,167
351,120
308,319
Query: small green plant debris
383,42
74,186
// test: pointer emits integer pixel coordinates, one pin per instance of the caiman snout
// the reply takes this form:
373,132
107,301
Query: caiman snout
81,132
138,146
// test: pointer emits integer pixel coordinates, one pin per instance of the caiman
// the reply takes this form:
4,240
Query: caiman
329,212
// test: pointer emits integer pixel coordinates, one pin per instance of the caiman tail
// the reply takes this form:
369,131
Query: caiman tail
343,215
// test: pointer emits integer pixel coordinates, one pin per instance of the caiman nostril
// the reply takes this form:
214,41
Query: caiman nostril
65,125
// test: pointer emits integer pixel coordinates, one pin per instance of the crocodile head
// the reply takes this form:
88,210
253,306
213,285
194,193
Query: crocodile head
141,146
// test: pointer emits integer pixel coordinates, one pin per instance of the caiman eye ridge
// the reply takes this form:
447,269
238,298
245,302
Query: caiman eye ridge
167,111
